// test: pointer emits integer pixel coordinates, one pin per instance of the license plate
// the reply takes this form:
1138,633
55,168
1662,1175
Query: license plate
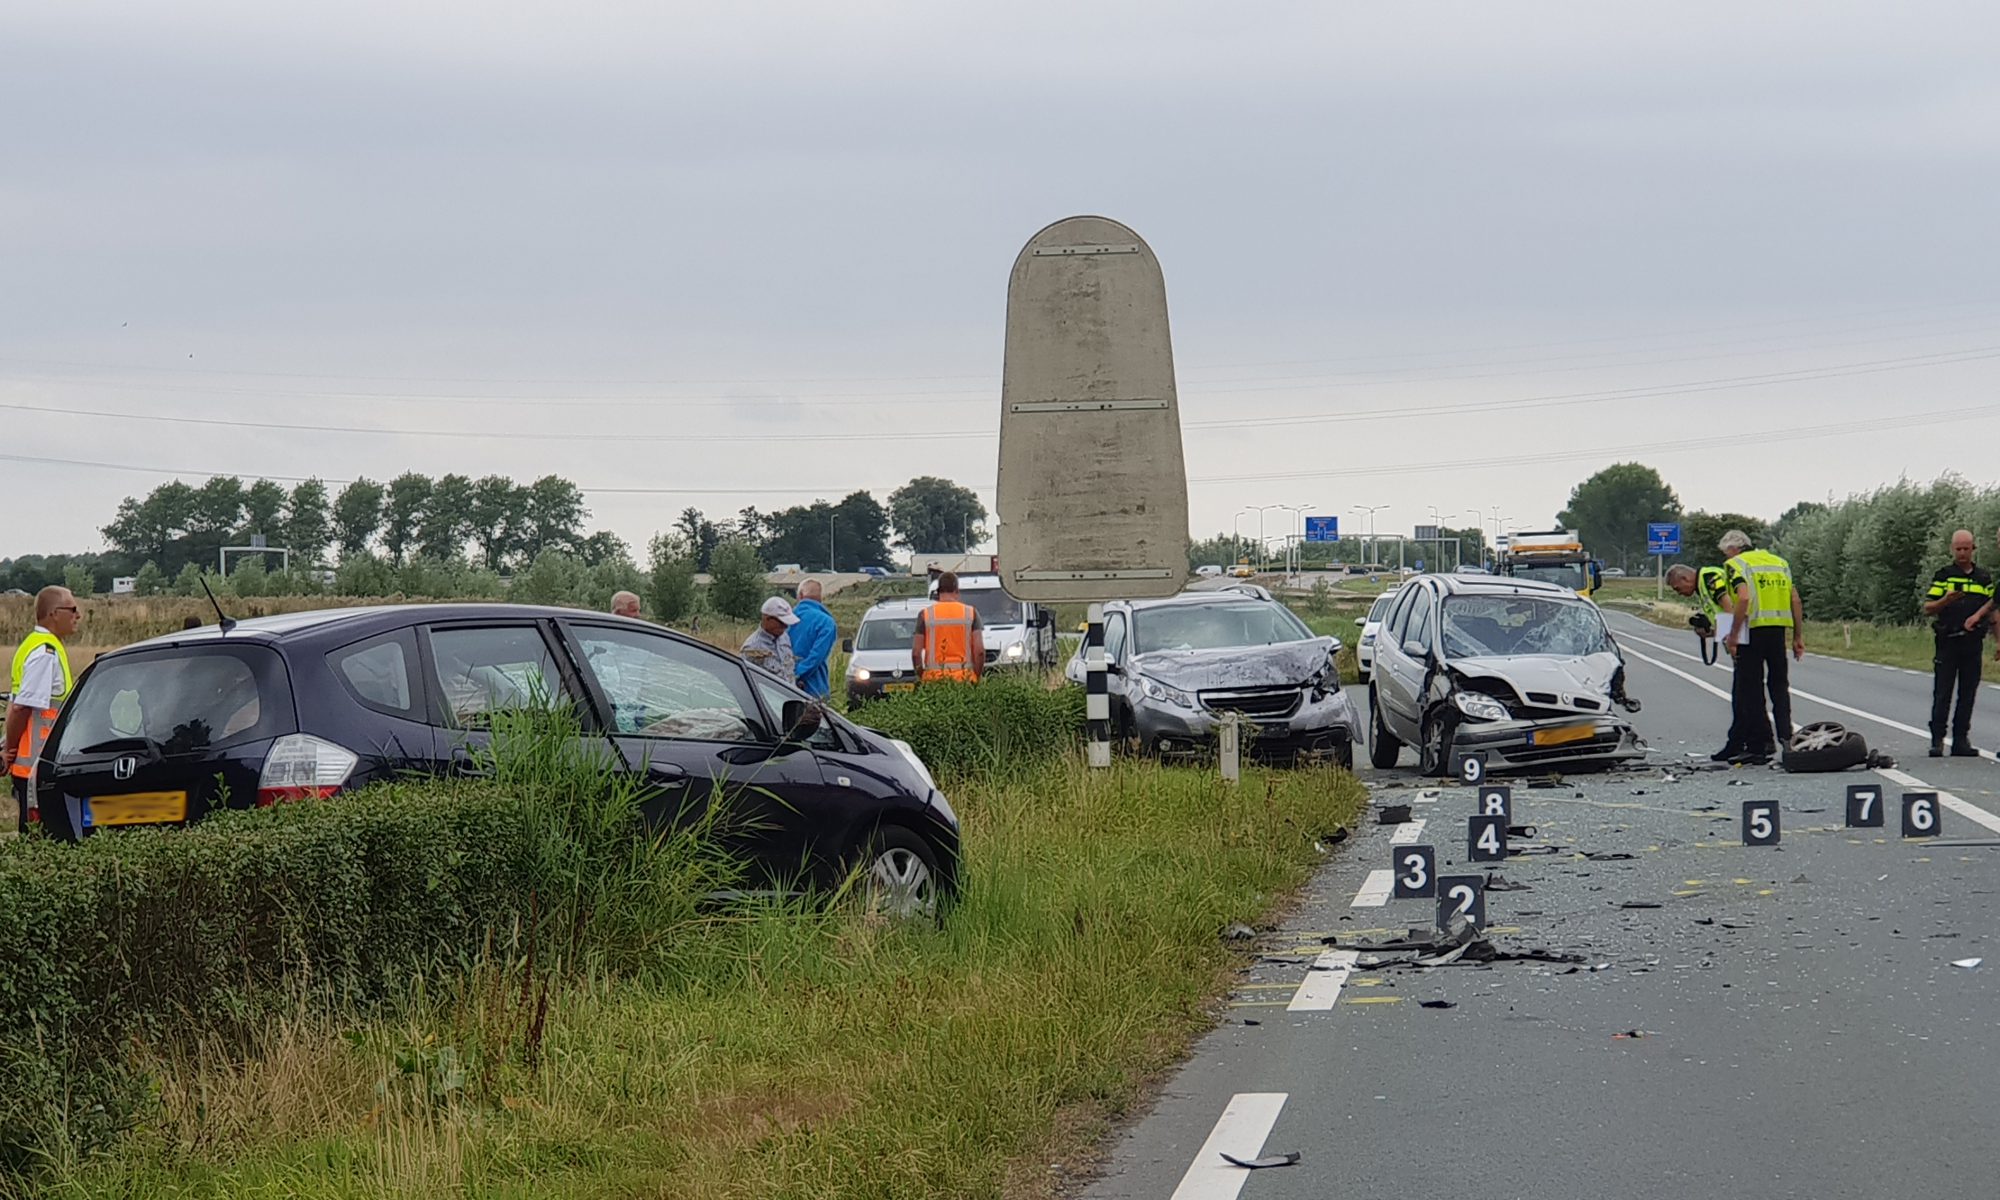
1565,735
1274,729
139,808
899,687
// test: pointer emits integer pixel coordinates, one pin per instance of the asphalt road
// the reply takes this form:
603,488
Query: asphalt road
1803,1032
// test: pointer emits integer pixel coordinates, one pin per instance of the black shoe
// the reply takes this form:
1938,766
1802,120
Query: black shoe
1726,754
1937,749
1963,750
1756,756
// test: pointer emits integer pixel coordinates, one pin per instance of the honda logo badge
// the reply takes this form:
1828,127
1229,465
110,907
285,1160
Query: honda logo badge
123,768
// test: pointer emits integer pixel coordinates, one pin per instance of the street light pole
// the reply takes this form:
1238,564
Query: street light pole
1371,510
830,568
1236,533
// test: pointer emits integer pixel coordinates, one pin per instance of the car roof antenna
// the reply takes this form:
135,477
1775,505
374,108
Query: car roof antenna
222,619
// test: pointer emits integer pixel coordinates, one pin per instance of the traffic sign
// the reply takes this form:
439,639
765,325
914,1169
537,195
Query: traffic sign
1663,537
1322,529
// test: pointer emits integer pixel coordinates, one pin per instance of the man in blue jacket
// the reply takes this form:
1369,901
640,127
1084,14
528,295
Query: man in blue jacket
812,641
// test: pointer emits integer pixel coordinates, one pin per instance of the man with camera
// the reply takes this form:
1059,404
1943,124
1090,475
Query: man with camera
1710,587
1960,603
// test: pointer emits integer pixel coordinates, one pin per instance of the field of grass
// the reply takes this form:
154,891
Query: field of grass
817,1053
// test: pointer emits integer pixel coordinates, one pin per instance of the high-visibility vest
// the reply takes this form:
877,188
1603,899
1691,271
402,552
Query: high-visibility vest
1770,579
949,641
1712,589
43,719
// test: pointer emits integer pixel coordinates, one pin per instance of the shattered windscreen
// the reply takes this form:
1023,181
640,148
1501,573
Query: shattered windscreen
1499,626
1215,627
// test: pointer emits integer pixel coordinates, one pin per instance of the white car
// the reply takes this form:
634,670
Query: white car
1371,627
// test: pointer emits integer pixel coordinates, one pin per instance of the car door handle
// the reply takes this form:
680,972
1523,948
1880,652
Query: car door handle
667,777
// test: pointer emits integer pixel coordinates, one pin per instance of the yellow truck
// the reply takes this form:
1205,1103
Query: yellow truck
1551,556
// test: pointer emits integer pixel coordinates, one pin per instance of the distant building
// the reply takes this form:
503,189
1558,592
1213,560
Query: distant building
124,585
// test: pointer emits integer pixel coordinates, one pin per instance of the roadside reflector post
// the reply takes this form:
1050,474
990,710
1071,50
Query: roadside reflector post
1230,735
1096,691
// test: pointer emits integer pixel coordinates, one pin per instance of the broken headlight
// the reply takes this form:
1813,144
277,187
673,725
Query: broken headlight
1155,690
1480,706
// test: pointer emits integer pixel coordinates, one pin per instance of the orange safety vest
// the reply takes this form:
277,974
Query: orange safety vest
43,720
949,643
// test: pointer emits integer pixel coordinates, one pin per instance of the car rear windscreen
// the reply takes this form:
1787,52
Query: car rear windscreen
179,700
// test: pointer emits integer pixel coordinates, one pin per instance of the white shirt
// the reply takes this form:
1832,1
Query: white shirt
40,676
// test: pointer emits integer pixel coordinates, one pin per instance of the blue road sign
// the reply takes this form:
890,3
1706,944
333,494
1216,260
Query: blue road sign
1663,537
1322,529
1420,564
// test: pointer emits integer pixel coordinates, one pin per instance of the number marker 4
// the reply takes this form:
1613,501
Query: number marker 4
1864,807
1920,814
1760,822
1486,839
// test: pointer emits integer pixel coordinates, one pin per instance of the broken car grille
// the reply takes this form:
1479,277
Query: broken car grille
1266,702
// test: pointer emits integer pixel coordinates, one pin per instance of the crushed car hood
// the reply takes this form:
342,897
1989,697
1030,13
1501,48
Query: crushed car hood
1564,678
1290,663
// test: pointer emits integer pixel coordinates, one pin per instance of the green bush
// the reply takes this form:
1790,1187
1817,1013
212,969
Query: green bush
1003,722
158,937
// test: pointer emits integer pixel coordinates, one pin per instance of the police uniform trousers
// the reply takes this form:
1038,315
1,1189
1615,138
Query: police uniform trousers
1763,664
1956,667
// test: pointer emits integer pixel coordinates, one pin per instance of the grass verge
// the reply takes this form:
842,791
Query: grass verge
801,1052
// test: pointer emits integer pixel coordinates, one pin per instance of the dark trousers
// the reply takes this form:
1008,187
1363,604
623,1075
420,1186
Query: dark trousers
1762,664
1955,667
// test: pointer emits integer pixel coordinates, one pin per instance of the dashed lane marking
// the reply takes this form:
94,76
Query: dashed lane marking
1240,1132
1407,833
1321,988
1375,892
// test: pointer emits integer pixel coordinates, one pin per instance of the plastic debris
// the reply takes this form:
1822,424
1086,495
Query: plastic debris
1632,1035
1640,904
1497,882
1968,964
1437,1004
1252,1021
1393,814
1288,1159
1239,932
1520,831
1608,855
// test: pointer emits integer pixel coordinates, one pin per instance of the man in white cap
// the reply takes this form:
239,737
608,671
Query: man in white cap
768,646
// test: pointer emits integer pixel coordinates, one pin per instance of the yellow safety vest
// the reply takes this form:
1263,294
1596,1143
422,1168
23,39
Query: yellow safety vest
44,719
1712,589
1770,579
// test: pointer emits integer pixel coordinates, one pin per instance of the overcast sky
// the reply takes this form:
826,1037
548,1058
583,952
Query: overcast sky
747,254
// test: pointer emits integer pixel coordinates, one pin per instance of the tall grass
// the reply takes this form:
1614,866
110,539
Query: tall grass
801,1051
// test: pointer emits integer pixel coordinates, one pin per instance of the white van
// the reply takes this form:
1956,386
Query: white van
1017,633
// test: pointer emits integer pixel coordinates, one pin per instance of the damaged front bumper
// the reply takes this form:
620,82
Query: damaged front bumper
1318,729
1549,741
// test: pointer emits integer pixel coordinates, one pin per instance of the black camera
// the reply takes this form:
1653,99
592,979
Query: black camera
1701,624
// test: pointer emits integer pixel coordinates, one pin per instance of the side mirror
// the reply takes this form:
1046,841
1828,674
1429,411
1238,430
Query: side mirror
1596,576
1112,668
1361,622
1415,648
800,719
847,645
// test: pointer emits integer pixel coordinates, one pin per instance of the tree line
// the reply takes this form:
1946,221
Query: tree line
455,536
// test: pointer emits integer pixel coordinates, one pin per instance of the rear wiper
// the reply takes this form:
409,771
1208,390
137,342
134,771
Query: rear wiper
122,744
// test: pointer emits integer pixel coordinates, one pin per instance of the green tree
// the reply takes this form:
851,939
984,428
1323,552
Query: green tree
363,574
552,578
403,513
861,532
357,514
1701,534
670,577
931,514
604,548
701,534
263,511
736,580
79,579
1612,508
150,581
155,527
553,516
308,523
187,582
247,577
446,520
499,511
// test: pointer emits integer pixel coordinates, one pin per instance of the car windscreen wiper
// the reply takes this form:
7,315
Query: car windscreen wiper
123,743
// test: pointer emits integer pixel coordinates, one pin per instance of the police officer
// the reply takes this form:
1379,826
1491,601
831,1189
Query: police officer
1710,587
1767,606
1960,603
42,680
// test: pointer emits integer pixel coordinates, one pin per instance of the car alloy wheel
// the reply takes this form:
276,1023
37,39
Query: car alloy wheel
1433,753
902,881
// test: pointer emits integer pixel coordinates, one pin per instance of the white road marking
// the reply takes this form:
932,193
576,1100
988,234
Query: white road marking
1375,892
1323,982
1407,833
1241,1130
1970,812
1963,808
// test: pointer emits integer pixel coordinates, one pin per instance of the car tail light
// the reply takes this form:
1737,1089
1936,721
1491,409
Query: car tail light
301,766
